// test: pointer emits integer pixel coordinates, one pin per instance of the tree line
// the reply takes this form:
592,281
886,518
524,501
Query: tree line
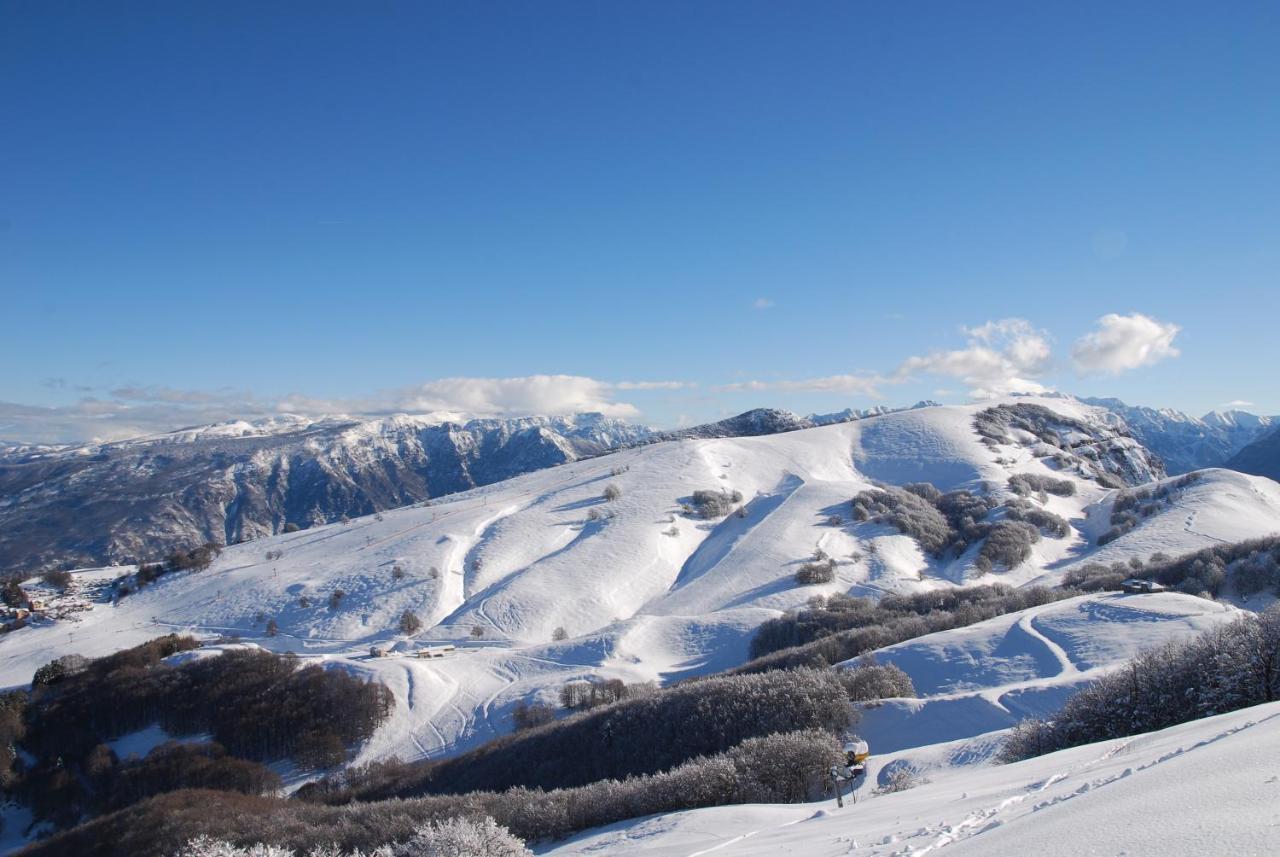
634,736
840,627
255,706
778,768
1252,566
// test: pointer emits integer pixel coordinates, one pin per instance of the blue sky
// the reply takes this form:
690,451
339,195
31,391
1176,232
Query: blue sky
230,209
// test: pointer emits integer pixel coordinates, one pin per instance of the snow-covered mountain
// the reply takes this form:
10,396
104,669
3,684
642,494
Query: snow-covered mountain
1185,443
753,423
763,421
643,586
1261,458
140,498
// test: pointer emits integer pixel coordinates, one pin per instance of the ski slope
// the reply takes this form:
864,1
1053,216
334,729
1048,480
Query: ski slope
644,590
1210,787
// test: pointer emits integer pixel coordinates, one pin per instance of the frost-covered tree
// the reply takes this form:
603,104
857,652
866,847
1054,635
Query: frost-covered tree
1008,545
812,573
709,503
463,837
410,623
527,715
870,681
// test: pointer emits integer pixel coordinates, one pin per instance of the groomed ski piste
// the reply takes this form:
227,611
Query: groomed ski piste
647,592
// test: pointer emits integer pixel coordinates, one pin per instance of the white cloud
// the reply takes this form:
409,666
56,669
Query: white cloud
654,385
762,303
531,394
493,397
115,419
1124,342
1238,403
1004,356
135,410
849,384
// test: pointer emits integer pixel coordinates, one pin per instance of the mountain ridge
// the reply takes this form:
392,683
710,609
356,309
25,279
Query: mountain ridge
1185,442
1261,457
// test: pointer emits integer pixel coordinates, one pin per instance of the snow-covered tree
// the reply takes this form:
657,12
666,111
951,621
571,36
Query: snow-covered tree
463,837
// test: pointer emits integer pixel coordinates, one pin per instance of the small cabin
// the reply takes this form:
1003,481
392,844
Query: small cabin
435,651
377,652
1138,586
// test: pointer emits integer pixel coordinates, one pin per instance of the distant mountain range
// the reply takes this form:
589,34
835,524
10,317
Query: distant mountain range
96,504
139,498
1261,458
1187,443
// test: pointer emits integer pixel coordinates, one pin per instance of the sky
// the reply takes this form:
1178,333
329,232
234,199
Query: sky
669,212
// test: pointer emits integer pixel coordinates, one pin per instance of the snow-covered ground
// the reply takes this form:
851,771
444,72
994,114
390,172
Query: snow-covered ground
643,590
1210,787
986,677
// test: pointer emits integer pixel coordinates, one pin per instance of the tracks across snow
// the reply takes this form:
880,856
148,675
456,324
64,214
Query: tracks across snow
1028,624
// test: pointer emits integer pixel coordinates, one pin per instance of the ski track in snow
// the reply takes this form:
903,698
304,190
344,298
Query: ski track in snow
410,697
1028,624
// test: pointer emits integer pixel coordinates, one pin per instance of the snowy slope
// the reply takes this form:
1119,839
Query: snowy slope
644,590
1221,506
988,676
1210,787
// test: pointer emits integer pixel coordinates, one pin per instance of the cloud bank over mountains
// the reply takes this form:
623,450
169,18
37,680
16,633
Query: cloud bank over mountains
1001,356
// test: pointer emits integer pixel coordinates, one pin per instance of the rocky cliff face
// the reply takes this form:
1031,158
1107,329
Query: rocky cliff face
137,499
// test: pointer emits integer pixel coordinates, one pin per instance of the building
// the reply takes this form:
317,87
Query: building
1138,586
435,651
